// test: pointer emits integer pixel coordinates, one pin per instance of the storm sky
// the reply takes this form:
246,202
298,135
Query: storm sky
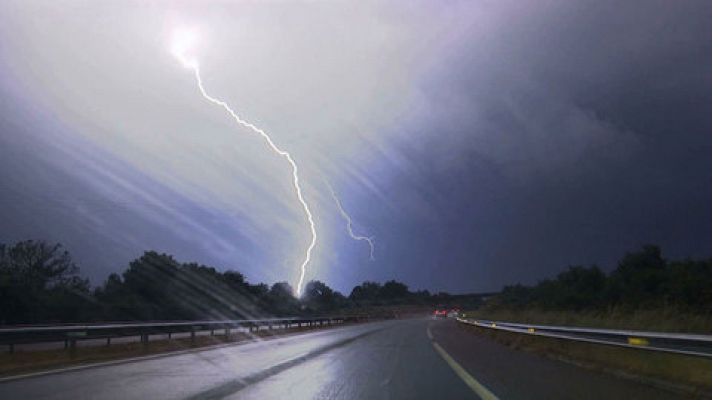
482,143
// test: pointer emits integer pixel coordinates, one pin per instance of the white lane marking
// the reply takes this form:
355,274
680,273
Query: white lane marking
474,384
469,380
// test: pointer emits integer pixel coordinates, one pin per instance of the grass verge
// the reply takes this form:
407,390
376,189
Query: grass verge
691,375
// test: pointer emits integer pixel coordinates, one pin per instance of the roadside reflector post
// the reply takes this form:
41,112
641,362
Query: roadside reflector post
192,334
636,341
531,330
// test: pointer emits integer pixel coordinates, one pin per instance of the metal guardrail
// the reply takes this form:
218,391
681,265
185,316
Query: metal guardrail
70,334
677,343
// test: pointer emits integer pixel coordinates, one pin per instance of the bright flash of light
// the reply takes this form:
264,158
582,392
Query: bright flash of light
347,217
183,42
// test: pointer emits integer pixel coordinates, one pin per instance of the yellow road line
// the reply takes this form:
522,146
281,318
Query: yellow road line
477,387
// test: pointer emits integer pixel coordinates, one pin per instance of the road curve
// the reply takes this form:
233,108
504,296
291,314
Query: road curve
405,359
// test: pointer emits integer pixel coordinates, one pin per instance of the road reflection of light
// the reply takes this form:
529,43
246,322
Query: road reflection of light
323,377
316,378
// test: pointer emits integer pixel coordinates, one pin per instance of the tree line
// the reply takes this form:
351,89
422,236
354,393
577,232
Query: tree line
641,280
39,283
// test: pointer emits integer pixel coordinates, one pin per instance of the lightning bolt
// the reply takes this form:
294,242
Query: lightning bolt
347,218
183,40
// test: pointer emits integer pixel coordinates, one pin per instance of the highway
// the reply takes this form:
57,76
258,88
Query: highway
399,359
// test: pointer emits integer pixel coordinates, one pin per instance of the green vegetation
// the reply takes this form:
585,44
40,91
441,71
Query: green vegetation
689,375
644,291
39,283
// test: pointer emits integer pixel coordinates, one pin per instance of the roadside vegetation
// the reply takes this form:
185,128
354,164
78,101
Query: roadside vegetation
39,283
645,291
688,375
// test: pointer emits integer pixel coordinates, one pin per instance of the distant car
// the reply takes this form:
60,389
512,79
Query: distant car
446,312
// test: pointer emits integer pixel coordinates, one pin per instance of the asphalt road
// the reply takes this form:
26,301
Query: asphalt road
406,359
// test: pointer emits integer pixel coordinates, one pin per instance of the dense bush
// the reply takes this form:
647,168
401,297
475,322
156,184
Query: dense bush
641,280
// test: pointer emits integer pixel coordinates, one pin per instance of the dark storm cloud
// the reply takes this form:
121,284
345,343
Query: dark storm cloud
569,133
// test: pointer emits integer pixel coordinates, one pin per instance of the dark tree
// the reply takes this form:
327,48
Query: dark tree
639,279
576,288
282,301
39,282
320,298
392,291
366,293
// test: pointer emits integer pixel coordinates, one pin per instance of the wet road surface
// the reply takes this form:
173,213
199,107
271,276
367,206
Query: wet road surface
404,359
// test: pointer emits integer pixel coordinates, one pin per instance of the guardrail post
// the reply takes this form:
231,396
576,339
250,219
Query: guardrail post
192,335
108,342
12,348
227,332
